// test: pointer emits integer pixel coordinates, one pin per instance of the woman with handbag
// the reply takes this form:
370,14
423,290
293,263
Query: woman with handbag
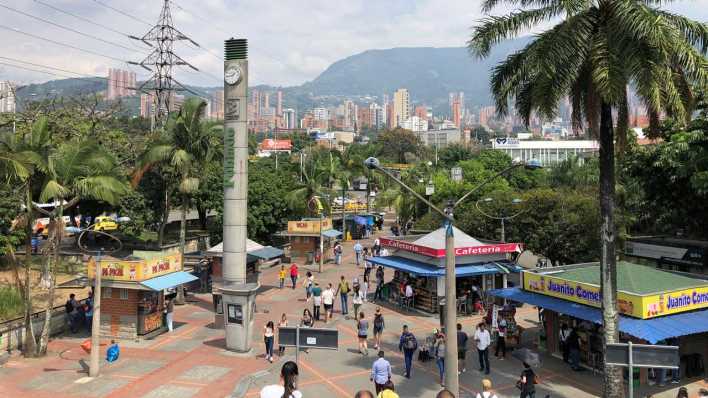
526,382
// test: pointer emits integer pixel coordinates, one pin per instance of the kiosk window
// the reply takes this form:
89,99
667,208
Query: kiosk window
235,313
123,294
106,292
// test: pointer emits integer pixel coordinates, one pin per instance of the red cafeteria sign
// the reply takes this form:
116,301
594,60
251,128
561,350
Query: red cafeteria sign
459,251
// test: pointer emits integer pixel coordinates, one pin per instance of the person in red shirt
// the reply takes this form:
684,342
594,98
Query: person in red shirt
293,274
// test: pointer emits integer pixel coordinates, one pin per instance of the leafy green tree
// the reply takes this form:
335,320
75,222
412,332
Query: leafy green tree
453,154
591,55
396,143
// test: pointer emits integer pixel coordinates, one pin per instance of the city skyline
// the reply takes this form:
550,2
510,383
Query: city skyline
282,54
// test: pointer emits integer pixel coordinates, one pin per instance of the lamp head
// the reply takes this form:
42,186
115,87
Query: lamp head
372,163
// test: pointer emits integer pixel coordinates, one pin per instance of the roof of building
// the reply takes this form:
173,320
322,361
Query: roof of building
632,278
436,239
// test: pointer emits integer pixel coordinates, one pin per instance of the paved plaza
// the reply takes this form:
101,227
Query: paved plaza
192,361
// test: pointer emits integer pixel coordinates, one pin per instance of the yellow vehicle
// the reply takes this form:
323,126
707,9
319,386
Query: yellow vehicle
105,223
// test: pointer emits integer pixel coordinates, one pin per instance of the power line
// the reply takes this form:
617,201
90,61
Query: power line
66,28
123,13
60,43
79,17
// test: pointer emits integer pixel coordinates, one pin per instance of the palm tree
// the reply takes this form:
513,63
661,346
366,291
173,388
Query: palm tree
596,50
76,170
185,146
22,158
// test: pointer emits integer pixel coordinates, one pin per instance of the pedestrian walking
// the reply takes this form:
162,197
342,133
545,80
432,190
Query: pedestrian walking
365,289
328,301
293,274
378,295
362,327
439,349
316,301
343,290
367,263
563,337
379,325
282,324
377,247
483,340
380,372
408,344
169,311
308,283
486,390
527,382
357,300
358,249
307,322
287,388
281,276
337,253
573,343
461,349
501,340
269,339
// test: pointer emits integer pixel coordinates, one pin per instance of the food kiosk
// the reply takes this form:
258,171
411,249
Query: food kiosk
134,289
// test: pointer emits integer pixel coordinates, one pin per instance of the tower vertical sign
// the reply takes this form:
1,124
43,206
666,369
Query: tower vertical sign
238,293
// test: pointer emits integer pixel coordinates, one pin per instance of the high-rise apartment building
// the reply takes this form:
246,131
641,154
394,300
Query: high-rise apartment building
217,101
7,97
320,113
401,107
147,105
121,83
457,104
421,111
486,114
279,104
266,100
289,122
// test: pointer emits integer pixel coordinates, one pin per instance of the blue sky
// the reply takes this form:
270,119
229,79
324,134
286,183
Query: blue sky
291,41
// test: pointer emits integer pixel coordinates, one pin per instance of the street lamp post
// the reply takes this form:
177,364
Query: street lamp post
502,218
451,375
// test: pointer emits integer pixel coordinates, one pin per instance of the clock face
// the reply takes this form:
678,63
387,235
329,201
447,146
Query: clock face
232,75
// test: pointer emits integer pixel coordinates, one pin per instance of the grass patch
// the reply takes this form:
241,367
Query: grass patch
10,303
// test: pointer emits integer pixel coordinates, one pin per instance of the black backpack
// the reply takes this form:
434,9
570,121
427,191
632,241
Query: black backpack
69,307
409,342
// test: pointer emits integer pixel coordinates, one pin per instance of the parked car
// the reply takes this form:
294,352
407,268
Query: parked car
105,223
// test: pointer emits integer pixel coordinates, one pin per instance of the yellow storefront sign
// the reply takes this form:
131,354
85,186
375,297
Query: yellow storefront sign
635,305
137,270
309,226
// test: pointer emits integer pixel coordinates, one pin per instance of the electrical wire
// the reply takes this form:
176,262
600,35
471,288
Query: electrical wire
61,44
79,17
123,13
65,28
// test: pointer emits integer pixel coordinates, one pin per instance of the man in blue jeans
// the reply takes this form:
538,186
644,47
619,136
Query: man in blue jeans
343,290
358,248
408,344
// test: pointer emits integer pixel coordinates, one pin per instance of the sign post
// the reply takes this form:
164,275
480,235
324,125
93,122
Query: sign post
319,338
641,356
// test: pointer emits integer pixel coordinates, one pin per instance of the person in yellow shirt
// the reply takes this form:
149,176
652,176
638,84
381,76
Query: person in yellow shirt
281,276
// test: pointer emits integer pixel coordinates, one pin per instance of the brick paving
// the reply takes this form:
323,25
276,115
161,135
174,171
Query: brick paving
192,361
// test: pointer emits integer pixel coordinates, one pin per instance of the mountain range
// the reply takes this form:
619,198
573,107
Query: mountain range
429,74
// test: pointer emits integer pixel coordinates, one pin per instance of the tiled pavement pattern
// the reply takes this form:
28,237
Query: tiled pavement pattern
192,362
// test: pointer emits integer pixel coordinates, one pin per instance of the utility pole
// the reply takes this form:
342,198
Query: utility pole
160,61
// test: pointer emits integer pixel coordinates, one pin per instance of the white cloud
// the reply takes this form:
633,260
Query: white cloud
290,42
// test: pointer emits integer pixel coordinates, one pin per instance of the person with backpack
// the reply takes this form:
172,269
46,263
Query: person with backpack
526,382
378,294
408,344
486,390
72,312
343,290
461,348
439,350
357,300
379,326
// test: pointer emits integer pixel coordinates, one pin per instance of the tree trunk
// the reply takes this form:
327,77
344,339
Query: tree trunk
30,344
163,222
182,238
202,217
53,265
613,385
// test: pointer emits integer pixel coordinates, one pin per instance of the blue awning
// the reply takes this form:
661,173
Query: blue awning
331,233
652,330
169,280
266,253
424,269
407,265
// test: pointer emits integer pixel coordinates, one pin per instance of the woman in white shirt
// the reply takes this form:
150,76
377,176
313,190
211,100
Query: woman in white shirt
486,390
287,388
269,339
283,323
